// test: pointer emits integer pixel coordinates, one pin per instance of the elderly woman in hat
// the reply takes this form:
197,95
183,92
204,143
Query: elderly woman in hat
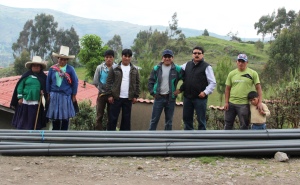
27,96
61,86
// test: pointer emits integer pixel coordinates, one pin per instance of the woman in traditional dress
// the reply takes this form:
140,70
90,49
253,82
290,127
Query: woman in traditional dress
27,96
61,86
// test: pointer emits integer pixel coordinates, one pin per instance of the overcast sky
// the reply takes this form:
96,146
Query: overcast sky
218,16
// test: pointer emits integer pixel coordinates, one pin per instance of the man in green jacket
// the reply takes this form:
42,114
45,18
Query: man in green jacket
162,84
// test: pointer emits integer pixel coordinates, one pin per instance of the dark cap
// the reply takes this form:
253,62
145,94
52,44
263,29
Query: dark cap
167,52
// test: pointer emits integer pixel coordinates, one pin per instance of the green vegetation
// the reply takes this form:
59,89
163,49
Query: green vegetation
210,160
277,62
91,53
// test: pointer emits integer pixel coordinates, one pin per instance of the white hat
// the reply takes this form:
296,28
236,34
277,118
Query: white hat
63,53
35,60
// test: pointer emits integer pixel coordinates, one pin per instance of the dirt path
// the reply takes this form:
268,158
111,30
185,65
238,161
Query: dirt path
147,171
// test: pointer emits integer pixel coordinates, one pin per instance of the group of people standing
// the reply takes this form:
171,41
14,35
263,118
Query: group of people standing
38,97
119,87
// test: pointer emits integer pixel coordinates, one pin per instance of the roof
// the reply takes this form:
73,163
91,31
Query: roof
7,86
85,91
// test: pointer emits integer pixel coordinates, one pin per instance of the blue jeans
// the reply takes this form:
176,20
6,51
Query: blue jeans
115,109
240,110
160,103
258,126
199,105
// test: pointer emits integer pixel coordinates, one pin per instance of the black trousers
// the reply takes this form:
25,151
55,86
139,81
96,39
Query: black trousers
122,103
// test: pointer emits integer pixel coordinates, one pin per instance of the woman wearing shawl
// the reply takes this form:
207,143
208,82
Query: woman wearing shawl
61,86
26,99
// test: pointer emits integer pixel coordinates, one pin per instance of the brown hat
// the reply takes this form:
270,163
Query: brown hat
63,53
35,60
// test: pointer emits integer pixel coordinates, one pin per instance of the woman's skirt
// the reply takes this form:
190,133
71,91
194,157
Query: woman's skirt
60,107
25,117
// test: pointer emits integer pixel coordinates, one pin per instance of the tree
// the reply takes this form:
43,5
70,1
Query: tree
41,37
24,41
205,33
259,45
234,36
91,53
146,63
115,44
181,44
284,53
156,40
44,35
141,38
19,64
224,66
68,38
173,25
264,25
275,23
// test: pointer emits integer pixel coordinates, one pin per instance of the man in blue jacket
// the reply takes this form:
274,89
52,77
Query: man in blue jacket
162,85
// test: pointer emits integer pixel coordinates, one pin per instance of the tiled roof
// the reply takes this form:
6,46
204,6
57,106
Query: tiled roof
7,86
85,91
141,100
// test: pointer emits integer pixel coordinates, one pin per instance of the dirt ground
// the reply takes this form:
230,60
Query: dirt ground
147,170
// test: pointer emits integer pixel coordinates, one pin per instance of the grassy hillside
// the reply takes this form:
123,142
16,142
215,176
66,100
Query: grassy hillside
214,49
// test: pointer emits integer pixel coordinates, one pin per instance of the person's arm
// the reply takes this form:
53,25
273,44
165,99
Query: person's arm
138,91
227,95
96,76
108,85
259,92
211,80
151,82
181,77
74,80
20,89
266,110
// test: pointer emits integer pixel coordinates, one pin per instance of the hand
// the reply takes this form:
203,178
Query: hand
202,95
111,100
262,112
20,101
260,107
176,92
134,100
74,98
226,106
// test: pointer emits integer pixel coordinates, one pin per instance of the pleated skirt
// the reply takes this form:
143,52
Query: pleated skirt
25,117
60,107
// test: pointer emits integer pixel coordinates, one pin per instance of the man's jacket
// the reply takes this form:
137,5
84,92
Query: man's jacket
114,80
154,82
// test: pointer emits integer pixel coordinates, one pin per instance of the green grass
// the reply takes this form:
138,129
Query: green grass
210,160
214,49
80,71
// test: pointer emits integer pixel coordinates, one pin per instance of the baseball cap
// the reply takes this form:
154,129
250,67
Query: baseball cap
242,57
167,52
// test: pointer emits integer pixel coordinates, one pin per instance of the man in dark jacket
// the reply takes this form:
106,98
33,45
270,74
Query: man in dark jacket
123,89
199,82
162,85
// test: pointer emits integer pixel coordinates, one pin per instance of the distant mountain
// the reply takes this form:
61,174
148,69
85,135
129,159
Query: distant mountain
12,21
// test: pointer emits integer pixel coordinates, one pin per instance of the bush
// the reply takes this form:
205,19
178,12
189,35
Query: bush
85,119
